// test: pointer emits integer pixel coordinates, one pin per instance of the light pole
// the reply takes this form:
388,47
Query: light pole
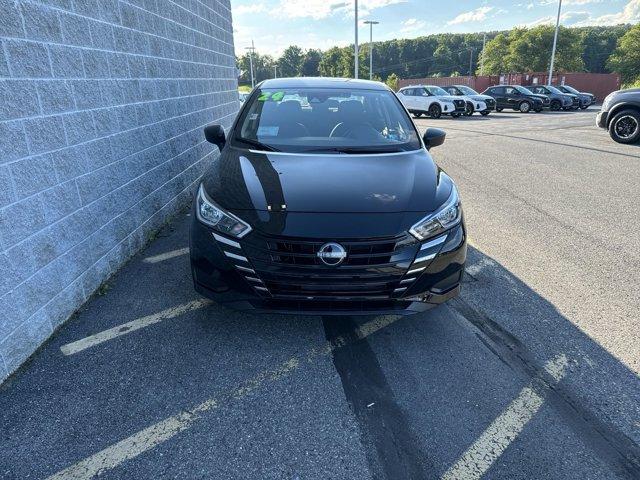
371,23
555,41
484,43
251,49
356,44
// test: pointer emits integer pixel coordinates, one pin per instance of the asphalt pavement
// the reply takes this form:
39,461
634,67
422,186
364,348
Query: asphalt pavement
532,373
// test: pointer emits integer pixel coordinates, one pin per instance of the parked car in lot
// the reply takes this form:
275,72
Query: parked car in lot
325,199
558,100
620,115
431,100
518,98
483,104
586,98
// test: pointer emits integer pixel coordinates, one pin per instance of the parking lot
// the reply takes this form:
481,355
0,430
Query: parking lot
531,373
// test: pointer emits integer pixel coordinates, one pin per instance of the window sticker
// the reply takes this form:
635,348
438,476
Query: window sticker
268,131
271,96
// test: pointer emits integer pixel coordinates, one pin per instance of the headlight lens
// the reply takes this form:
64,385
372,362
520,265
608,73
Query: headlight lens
212,215
447,216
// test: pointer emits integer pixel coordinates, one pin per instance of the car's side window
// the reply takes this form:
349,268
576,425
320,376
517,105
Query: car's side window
510,90
424,92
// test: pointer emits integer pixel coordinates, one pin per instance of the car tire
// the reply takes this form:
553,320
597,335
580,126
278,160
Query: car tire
469,109
485,113
435,111
555,105
625,127
524,107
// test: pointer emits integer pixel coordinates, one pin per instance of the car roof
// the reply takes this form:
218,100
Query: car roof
322,82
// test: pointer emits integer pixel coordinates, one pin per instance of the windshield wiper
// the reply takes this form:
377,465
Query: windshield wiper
353,150
257,144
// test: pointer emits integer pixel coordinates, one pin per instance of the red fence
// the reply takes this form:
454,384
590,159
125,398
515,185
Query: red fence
600,84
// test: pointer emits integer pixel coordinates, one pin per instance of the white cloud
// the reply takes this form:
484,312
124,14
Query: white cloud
247,9
629,14
319,9
477,15
412,25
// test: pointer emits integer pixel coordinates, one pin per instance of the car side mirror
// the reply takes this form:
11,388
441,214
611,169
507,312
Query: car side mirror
433,137
215,134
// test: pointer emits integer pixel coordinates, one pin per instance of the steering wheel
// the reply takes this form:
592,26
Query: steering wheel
358,131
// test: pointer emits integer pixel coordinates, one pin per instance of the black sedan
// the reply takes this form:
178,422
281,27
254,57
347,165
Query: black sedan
325,199
517,98
620,115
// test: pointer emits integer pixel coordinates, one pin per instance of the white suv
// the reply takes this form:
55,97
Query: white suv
431,100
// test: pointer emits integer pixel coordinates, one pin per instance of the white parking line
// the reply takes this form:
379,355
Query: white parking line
125,328
166,256
478,458
160,432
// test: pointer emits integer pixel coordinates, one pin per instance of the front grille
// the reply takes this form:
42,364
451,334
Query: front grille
490,103
459,103
291,267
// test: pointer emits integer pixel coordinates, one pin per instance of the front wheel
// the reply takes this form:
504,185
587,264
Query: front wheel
469,109
524,107
555,105
485,113
435,111
625,127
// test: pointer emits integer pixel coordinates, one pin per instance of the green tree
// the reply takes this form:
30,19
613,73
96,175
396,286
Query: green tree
599,43
262,68
626,58
495,55
330,63
311,63
392,82
530,50
290,62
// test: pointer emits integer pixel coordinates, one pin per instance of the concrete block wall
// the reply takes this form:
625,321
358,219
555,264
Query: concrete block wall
102,105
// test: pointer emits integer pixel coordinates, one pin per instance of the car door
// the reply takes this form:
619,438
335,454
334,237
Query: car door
499,94
406,98
512,97
425,99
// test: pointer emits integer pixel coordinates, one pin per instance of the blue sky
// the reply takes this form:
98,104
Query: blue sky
276,24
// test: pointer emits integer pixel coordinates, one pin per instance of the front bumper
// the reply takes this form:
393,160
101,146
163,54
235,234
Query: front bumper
259,280
601,119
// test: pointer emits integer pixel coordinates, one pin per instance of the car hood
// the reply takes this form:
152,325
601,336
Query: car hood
450,98
334,183
481,98
538,95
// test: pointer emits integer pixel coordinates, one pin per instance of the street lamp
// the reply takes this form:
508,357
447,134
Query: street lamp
356,44
251,49
371,23
555,41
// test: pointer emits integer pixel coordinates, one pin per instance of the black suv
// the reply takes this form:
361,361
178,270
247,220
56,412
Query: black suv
620,115
518,98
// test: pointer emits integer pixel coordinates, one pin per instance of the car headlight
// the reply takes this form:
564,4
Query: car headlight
213,216
447,216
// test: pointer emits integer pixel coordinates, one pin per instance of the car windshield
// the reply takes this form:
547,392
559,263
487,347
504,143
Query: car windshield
553,89
436,91
523,90
329,119
467,90
570,89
